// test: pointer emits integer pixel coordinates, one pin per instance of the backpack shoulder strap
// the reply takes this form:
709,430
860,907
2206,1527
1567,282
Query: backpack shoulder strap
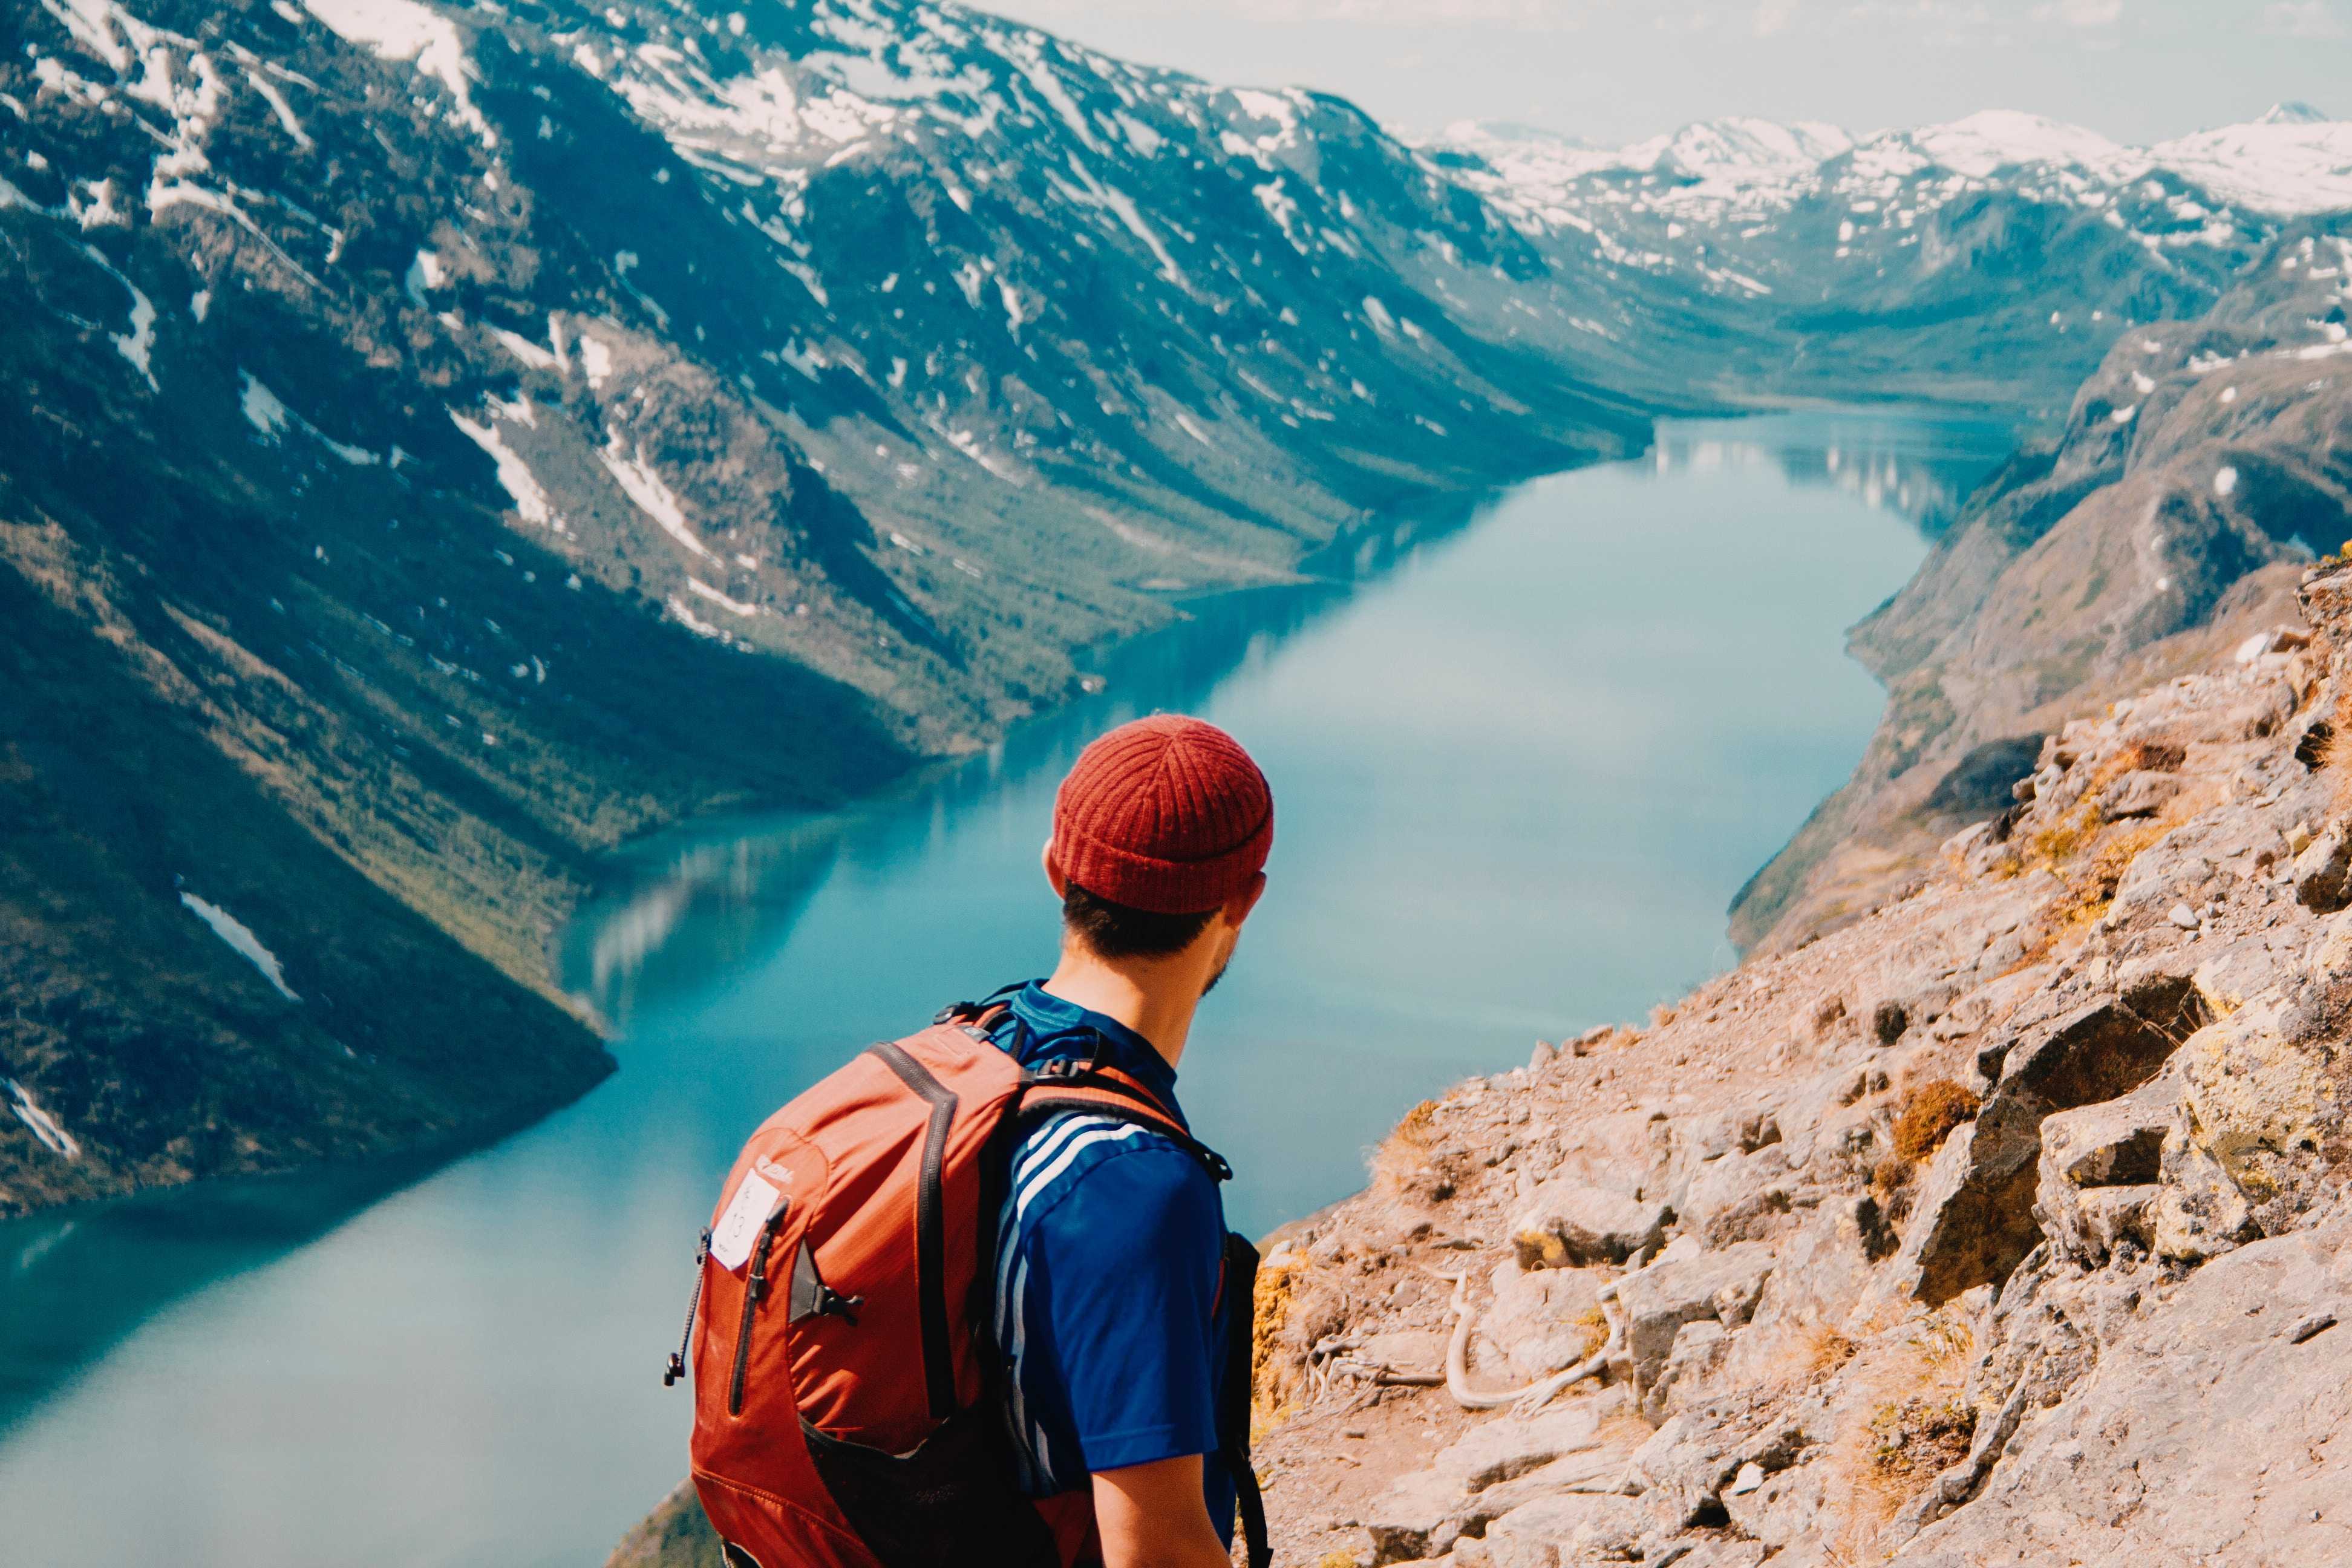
1104,1091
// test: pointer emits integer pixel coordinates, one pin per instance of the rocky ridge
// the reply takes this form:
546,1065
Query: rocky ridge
2006,1223
2199,467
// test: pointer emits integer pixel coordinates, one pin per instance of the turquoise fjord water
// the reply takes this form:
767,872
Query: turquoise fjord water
1520,768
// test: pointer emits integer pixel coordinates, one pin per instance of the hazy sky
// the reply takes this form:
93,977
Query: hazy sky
1618,71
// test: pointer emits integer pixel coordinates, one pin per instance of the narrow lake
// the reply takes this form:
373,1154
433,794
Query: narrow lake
1519,770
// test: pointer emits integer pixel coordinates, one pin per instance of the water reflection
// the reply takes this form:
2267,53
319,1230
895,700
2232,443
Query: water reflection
1918,466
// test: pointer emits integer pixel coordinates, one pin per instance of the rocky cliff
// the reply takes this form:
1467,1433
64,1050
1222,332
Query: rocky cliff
2197,470
2008,1223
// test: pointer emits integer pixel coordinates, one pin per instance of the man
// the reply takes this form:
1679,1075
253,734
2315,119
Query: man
1110,1314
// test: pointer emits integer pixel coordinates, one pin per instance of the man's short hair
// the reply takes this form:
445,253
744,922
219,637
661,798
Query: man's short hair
1117,930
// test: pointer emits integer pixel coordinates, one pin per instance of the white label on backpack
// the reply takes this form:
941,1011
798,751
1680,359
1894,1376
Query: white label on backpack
731,1238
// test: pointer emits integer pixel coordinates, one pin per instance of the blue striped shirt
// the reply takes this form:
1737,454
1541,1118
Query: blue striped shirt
1110,1251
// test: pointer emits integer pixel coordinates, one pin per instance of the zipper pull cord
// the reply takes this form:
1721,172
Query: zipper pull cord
758,1283
676,1367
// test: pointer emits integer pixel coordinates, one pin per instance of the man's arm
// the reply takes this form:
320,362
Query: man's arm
1153,1516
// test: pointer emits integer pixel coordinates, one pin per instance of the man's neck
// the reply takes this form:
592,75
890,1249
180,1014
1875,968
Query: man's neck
1155,997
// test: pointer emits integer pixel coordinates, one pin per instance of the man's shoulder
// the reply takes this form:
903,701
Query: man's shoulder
1106,1158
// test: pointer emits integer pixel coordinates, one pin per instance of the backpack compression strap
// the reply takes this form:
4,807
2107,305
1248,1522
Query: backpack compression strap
1234,1399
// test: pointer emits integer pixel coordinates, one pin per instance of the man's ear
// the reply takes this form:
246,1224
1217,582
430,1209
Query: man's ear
1237,908
1054,874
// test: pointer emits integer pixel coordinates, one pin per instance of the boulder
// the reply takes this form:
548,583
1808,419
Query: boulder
1681,1472
2270,1078
1780,1508
1540,1320
1506,1447
1567,1223
1554,1530
2228,979
1973,1219
2322,873
2092,1154
1699,1350
2200,1213
1735,1198
2139,793
1490,1471
1726,1555
1658,1300
2217,1440
1414,1516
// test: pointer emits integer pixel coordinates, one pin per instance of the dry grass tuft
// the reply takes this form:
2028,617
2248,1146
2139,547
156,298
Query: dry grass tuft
1596,1330
2088,890
1891,1183
1409,1160
1826,1351
1929,1112
1273,1379
1920,1438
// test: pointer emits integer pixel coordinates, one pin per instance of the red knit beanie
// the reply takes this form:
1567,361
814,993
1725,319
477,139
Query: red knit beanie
1166,814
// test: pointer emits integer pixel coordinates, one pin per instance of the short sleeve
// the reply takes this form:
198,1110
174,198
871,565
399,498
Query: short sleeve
1123,1268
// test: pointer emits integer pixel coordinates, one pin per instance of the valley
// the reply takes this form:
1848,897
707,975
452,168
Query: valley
464,464
496,433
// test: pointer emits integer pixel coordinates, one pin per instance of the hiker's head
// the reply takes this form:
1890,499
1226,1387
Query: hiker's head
1161,834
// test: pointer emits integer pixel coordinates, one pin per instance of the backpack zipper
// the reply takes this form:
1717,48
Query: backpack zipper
676,1367
755,1285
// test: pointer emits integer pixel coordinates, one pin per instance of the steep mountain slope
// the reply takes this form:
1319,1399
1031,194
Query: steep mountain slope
2202,465
2006,1224
1996,258
439,443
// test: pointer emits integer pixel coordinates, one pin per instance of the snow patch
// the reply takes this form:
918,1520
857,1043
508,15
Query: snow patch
732,607
523,349
263,411
137,344
514,474
280,107
45,1128
424,272
405,30
240,937
643,486
595,359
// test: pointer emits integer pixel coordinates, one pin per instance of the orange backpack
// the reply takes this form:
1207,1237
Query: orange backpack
848,1405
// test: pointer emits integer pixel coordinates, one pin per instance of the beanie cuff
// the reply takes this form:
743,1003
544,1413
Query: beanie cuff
1165,887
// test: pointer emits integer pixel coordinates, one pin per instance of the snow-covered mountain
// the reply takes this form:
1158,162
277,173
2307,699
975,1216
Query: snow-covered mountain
442,440
2004,238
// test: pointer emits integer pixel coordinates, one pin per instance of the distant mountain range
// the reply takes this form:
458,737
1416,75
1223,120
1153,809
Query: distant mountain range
1998,256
